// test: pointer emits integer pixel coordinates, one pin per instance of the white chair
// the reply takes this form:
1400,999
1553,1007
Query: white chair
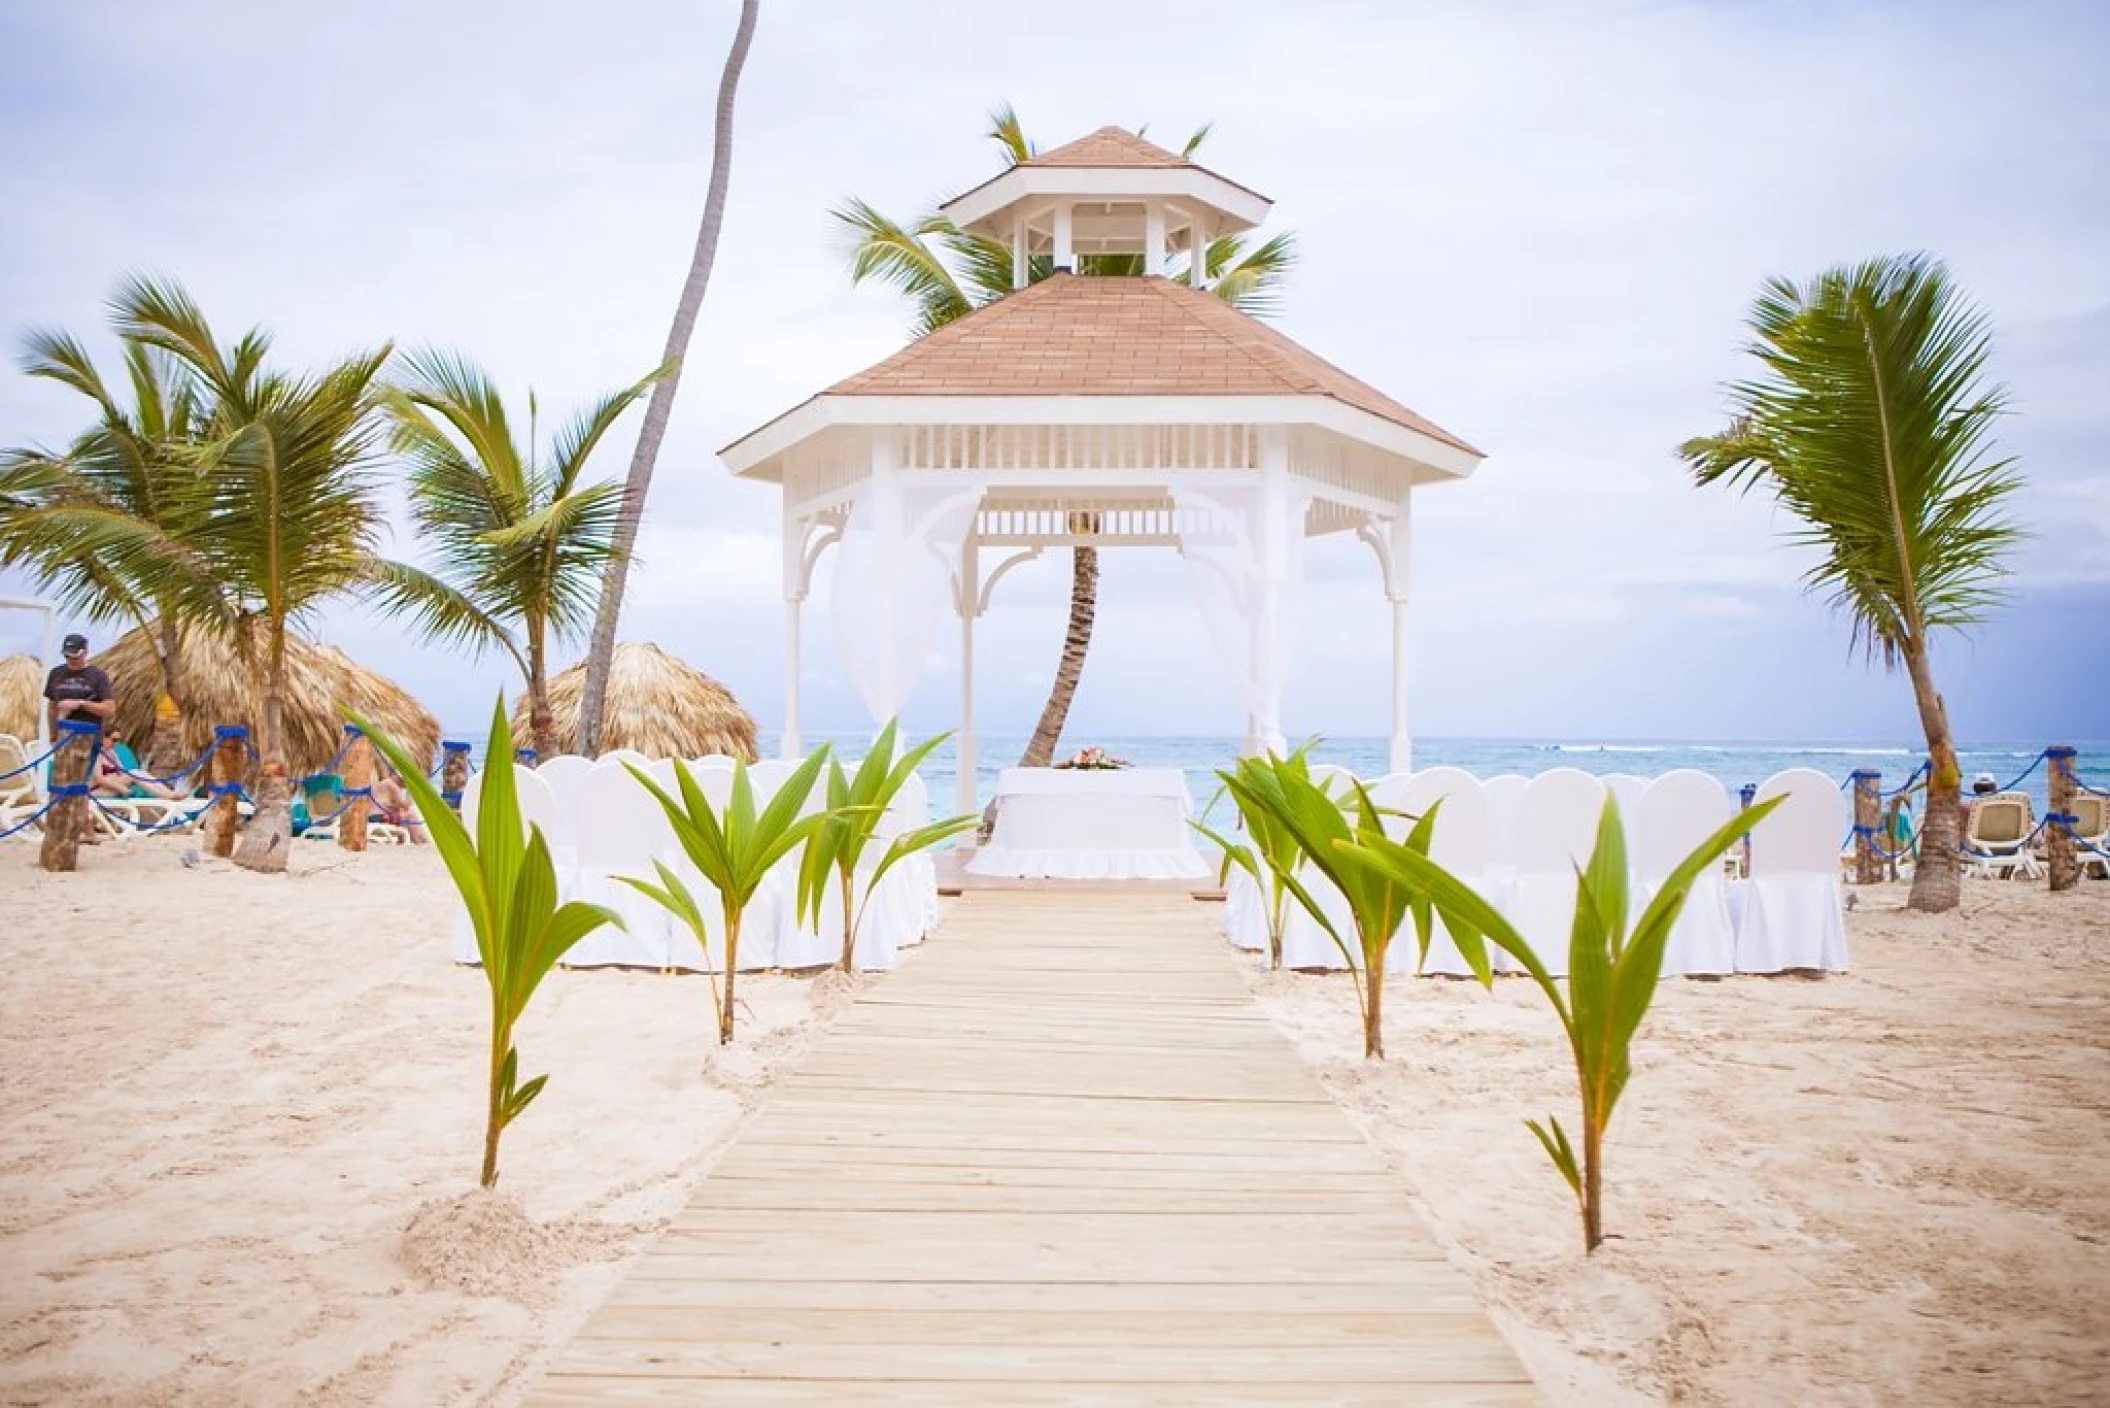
1678,811
22,791
1627,790
538,811
1792,911
1556,831
2091,829
622,831
566,774
1503,800
1458,844
919,883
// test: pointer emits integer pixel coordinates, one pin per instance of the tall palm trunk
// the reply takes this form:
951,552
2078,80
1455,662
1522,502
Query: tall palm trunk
267,836
165,749
1937,878
600,653
542,724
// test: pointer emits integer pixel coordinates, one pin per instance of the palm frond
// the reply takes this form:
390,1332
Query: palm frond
1251,280
881,248
1009,134
436,610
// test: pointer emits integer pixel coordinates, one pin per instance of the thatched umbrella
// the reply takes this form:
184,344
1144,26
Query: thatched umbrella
215,689
657,705
21,695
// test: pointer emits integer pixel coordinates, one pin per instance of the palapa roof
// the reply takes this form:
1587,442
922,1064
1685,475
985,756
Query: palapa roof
214,687
21,695
1091,335
657,705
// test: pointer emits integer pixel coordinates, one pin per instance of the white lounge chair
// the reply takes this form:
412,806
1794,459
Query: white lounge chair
1996,842
2091,828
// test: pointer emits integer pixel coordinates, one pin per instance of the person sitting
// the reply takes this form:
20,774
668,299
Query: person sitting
392,804
113,777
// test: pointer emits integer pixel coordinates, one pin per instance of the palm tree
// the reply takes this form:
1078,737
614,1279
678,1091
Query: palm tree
132,470
600,651
1870,424
290,517
523,543
949,272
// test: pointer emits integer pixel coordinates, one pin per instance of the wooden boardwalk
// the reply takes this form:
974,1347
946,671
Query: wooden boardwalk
1060,1157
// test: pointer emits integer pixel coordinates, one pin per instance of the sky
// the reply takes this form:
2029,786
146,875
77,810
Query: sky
1539,224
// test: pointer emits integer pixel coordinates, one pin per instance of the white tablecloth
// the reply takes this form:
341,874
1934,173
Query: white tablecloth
1072,824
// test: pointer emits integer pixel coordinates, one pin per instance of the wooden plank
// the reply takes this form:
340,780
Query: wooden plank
1060,1157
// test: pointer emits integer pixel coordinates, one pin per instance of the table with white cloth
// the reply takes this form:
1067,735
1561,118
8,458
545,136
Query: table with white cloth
1086,824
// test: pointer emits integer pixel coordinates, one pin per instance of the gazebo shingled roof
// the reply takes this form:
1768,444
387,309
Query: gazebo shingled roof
1070,335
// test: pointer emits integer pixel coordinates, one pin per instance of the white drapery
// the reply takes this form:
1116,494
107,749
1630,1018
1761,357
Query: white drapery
1244,546
893,578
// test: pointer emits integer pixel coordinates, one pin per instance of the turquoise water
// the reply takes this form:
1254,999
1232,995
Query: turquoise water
1734,763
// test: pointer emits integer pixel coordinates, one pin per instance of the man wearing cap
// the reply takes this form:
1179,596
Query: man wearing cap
78,690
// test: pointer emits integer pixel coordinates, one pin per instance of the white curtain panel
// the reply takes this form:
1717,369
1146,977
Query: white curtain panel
893,577
1244,547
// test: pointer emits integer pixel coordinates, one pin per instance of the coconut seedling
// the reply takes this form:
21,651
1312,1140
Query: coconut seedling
857,806
1268,855
733,850
509,887
1613,969
1282,790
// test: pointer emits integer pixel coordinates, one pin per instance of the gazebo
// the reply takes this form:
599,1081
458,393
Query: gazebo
1098,411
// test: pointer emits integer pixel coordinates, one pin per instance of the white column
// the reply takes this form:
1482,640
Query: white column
1198,237
1021,251
1064,258
1273,550
794,570
1154,238
970,595
789,747
1398,552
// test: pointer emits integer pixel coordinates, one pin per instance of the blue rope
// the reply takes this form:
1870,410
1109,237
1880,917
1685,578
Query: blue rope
2062,764
200,761
1910,782
1901,853
33,764
2027,771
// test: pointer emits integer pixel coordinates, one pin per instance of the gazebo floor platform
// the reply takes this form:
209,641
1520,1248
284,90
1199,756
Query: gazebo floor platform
953,879
1059,1157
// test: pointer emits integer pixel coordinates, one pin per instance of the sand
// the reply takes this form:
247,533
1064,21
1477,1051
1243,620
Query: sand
1891,1186
238,1163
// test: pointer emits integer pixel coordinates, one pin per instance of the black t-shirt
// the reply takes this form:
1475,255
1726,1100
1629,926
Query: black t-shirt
88,683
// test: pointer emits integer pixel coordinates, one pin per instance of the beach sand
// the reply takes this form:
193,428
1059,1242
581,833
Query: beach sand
1891,1186
238,1161
238,1166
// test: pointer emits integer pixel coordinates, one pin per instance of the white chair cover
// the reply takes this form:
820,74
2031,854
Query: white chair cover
538,809
1792,913
1680,810
622,830
1459,845
1556,830
566,774
1504,799
1627,790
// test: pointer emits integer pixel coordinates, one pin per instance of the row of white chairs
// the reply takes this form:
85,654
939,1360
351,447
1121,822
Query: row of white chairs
1518,842
601,824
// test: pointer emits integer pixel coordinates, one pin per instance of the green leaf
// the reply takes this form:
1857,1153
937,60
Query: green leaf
1559,1150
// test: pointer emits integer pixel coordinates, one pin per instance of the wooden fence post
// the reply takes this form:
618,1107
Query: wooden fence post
72,759
358,790
230,759
1868,815
454,772
2062,857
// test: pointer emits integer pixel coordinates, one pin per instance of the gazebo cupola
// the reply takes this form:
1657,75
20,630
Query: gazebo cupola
1109,193
1093,409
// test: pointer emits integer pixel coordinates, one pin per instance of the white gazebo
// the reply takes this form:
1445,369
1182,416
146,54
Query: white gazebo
1098,411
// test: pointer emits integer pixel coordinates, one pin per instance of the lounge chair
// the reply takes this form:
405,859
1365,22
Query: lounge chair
2091,826
324,797
22,794
1996,838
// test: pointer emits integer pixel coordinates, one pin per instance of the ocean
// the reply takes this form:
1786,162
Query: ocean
1734,763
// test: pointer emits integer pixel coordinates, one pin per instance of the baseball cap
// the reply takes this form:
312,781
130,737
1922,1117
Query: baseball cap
1985,777
76,644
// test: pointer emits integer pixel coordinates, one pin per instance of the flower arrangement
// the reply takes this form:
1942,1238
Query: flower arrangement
1092,760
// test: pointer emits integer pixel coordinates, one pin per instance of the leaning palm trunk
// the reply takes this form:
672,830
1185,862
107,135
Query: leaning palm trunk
600,653
1069,672
1937,876
266,839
